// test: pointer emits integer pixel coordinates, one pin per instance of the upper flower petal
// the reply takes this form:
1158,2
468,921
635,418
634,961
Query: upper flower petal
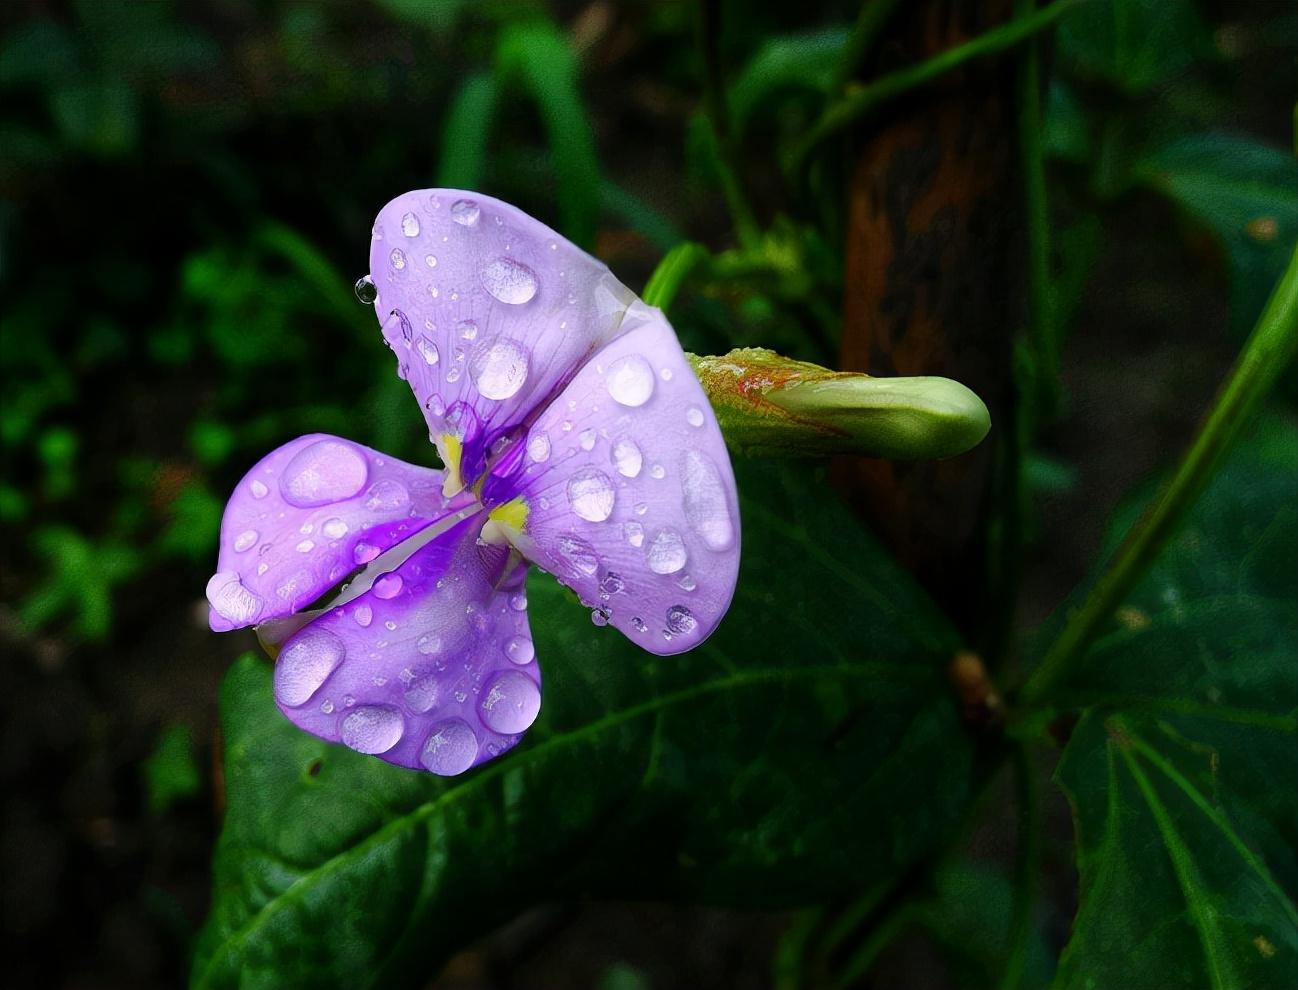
432,668
629,492
488,310
305,516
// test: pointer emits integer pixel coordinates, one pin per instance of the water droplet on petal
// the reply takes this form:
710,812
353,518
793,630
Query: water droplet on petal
306,546
363,553
706,503
366,291
430,260
468,330
258,489
538,447
639,624
334,529
435,405
323,472
518,602
630,380
694,416
386,495
372,729
389,586
509,281
666,554
612,584
245,540
304,664
599,617
450,749
231,600
587,439
686,583
579,554
520,650
398,259
499,368
422,693
428,350
363,615
410,225
634,533
627,458
465,212
510,704
680,620
657,472
590,493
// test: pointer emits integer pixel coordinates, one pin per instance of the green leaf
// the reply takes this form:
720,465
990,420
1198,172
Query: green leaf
1246,195
806,751
804,62
1180,772
1132,44
463,162
171,771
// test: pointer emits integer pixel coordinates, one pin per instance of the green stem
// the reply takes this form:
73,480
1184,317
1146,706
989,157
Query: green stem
1267,352
675,267
714,100
860,102
870,23
1027,870
861,961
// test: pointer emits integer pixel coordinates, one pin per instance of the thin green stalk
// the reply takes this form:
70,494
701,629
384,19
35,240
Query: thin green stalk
870,23
714,100
883,935
675,266
1267,352
860,102
1027,870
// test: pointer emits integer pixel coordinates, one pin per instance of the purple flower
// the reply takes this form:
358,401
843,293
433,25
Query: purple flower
575,436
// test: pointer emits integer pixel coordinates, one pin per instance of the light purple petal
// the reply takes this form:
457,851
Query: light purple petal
488,311
432,668
308,514
631,500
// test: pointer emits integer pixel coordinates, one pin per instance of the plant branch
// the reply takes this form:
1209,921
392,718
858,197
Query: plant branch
870,23
1027,870
861,101
1267,352
672,271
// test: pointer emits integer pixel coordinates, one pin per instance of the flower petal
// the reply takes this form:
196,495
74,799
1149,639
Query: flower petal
630,496
489,312
305,516
432,668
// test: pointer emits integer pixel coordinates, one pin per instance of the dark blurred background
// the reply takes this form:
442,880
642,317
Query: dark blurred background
186,191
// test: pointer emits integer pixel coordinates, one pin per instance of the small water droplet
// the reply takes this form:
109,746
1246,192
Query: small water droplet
468,330
509,281
630,380
499,368
372,729
363,615
706,501
435,405
422,693
245,540
430,260
612,584
410,225
364,553
694,416
465,212
520,650
386,495
306,546
389,586
579,554
680,621
666,553
511,703
305,663
627,458
634,533
258,489
657,472
590,493
518,602
639,624
428,350
450,749
398,259
366,291
538,447
587,439
686,583
666,374
599,616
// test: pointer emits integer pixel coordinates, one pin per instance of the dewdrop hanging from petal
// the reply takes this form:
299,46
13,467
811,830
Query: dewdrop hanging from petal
575,436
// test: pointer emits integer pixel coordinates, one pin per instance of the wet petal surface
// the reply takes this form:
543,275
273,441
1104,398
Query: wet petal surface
432,668
305,516
488,311
631,500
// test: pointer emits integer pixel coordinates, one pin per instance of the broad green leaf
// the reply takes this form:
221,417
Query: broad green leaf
1132,44
806,751
463,161
1246,195
1181,770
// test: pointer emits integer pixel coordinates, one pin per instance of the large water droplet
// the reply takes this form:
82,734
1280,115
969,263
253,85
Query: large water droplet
520,650
627,458
451,748
366,291
388,586
666,553
538,447
326,471
510,704
579,554
465,212
706,503
410,225
304,664
372,729
245,540
386,495
509,281
231,600
680,620
590,493
499,368
422,693
630,380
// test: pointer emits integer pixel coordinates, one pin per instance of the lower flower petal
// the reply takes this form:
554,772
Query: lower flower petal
433,668
308,514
